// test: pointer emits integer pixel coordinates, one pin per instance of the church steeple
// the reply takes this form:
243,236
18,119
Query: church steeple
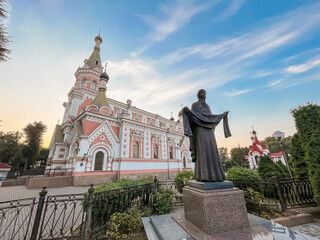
101,98
94,60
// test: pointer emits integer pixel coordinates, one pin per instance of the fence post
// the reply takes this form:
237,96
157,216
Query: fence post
282,202
155,183
89,213
36,223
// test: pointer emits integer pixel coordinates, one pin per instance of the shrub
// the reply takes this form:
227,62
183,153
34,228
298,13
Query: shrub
269,169
182,179
240,173
163,200
124,225
244,178
254,204
123,183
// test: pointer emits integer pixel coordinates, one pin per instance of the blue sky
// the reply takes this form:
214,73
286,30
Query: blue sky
258,59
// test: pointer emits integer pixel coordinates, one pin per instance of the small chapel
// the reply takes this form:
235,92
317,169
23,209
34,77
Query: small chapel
258,149
101,139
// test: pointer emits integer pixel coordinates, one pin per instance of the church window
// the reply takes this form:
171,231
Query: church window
98,164
155,151
136,150
137,118
184,162
97,62
171,153
162,125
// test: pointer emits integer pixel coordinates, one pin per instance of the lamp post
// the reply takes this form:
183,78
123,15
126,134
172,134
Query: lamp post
278,136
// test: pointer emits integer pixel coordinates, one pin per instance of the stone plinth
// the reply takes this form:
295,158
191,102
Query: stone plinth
215,211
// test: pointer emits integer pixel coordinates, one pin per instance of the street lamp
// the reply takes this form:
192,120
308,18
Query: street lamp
279,136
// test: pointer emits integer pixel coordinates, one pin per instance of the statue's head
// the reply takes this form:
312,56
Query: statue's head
201,94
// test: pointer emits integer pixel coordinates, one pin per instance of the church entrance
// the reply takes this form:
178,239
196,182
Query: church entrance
98,163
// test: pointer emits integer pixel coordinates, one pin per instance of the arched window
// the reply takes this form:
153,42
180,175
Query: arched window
171,153
257,158
184,162
155,151
98,163
136,150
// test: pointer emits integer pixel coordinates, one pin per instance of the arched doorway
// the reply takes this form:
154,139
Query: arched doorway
184,162
98,163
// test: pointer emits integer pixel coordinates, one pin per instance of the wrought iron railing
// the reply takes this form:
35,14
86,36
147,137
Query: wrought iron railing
63,217
16,218
104,204
84,215
281,193
58,172
268,189
297,192
175,186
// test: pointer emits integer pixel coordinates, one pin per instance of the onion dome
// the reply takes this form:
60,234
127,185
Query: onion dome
104,76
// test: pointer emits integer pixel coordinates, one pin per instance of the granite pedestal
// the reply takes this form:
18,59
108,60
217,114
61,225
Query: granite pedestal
215,211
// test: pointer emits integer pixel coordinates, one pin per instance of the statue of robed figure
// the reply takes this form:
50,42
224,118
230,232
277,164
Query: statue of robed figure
199,124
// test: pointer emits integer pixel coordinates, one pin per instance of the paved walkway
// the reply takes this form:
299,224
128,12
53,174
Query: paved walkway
18,192
311,229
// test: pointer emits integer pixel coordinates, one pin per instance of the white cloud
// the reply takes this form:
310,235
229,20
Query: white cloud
282,31
173,19
303,67
274,83
231,10
238,92
140,81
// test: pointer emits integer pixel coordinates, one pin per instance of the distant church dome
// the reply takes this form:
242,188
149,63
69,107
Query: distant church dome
104,75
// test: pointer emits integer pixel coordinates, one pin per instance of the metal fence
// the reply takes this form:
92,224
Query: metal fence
58,172
72,216
16,218
282,193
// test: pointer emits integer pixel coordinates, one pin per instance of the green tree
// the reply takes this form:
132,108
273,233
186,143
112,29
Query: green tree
225,159
269,169
4,38
307,120
238,157
34,136
297,159
42,157
284,170
275,146
10,149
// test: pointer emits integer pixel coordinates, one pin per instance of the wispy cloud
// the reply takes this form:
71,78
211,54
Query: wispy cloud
284,30
238,92
231,10
140,81
311,63
173,19
274,83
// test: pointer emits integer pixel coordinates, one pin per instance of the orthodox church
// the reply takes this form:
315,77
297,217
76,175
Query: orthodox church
258,149
101,139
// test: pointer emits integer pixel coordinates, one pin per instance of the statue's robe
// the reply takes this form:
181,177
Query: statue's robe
199,124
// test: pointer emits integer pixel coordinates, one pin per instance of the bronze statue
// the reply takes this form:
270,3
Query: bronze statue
199,124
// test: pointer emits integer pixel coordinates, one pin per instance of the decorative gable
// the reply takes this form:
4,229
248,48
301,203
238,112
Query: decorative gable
105,128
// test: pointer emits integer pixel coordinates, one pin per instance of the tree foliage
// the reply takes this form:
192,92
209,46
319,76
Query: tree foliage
297,159
269,169
4,38
275,146
307,120
238,157
10,148
34,137
225,159
240,173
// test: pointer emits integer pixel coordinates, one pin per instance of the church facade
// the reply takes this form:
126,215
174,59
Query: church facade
258,149
101,139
